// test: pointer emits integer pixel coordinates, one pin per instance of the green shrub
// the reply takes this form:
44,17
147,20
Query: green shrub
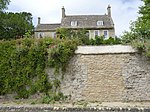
101,41
23,64
83,38
51,98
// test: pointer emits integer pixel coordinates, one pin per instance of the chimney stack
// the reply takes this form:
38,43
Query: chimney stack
109,10
39,20
63,12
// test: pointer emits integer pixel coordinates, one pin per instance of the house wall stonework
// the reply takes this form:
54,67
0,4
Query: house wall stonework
107,73
91,33
45,34
91,22
111,33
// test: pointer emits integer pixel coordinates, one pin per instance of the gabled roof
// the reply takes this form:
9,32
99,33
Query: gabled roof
80,21
87,21
47,27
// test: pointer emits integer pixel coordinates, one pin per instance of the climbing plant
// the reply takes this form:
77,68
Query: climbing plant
23,65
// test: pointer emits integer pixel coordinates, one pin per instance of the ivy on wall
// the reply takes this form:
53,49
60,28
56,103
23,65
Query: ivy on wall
23,64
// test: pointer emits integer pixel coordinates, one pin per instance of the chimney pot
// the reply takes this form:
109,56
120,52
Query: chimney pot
63,12
39,20
109,10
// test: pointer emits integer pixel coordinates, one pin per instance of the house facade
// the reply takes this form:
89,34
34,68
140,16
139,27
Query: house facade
96,25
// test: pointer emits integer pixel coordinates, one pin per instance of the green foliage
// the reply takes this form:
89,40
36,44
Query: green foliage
128,37
15,25
143,22
28,34
23,64
83,37
139,36
101,41
71,34
140,29
143,46
3,4
53,97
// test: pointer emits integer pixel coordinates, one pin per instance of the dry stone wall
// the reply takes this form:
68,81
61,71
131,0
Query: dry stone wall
42,108
136,74
107,73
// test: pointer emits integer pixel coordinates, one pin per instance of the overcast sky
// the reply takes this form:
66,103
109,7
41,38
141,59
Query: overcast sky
123,11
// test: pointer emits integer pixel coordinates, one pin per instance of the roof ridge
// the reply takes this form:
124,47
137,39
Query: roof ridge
85,15
50,24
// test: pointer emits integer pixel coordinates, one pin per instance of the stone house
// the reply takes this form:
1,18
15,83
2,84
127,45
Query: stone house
96,25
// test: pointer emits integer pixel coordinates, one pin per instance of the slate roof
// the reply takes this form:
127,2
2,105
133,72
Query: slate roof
87,21
81,21
47,27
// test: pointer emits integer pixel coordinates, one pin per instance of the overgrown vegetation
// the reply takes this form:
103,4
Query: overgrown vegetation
3,4
83,37
101,41
139,36
23,64
15,25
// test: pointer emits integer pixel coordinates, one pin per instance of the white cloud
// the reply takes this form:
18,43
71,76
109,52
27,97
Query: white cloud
123,11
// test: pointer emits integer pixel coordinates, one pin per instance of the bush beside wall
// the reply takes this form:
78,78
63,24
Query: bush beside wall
23,63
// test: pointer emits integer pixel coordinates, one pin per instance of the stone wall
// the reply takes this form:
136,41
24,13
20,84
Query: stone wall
136,74
104,74
107,74
41,108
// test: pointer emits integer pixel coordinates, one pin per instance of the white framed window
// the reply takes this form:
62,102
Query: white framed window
106,34
74,23
87,34
96,33
100,23
40,35
54,34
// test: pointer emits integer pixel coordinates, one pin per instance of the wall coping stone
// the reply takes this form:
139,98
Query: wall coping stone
109,49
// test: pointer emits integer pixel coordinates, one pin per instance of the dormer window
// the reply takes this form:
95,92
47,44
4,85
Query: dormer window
100,23
74,23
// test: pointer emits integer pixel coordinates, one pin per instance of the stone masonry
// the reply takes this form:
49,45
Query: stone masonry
136,73
107,74
42,108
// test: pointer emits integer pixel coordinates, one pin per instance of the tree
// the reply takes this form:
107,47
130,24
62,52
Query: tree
143,23
15,25
3,4
139,36
140,29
